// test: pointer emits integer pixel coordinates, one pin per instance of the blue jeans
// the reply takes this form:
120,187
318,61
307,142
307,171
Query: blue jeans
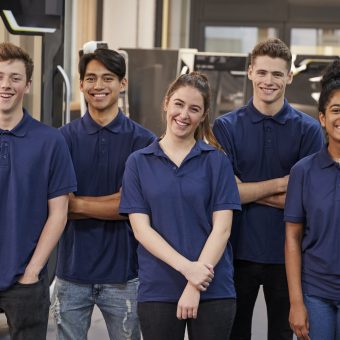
324,318
73,303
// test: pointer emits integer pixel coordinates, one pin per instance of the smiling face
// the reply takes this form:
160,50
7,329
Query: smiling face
13,86
184,112
269,76
330,120
101,88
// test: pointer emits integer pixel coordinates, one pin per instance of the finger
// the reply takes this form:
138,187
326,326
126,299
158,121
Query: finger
179,312
194,312
184,313
190,313
201,288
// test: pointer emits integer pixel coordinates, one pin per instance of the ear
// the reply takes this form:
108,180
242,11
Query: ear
165,104
290,77
322,119
250,70
28,86
81,85
123,84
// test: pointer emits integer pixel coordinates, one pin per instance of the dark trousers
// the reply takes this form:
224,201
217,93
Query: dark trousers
214,321
248,278
26,308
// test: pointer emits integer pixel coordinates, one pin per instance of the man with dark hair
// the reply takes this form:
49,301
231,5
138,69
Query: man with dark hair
97,253
36,176
264,139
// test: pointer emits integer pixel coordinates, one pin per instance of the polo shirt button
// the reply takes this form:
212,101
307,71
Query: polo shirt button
174,168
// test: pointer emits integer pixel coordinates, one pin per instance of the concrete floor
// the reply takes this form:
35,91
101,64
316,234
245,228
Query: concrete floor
98,328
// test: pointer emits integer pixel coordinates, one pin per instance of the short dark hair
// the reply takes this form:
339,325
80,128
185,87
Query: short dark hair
274,48
111,59
9,51
330,82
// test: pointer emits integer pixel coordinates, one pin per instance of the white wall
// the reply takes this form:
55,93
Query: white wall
129,23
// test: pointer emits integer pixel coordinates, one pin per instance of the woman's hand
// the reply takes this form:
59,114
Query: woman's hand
199,274
187,306
298,320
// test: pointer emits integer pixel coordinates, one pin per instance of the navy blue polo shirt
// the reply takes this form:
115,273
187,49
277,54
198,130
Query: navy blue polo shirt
261,148
35,166
313,199
180,202
92,250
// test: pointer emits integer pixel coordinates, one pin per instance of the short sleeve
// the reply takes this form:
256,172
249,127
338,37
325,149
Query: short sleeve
226,194
294,209
62,178
223,137
313,140
132,199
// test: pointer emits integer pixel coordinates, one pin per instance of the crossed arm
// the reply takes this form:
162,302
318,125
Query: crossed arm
198,273
271,192
298,317
99,207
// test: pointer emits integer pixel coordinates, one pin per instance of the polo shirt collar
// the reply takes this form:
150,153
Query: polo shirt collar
280,117
198,148
93,127
325,158
21,129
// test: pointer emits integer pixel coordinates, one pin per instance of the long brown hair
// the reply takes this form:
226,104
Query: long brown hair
198,81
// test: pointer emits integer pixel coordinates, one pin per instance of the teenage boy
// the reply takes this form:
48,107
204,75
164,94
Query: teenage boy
36,176
264,139
97,253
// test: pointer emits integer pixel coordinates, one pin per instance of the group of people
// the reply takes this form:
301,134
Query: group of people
176,232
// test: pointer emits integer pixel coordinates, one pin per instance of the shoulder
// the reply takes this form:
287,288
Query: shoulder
72,126
304,118
305,163
232,116
44,131
136,128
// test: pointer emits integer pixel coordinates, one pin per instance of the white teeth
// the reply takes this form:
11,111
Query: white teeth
100,95
181,123
4,95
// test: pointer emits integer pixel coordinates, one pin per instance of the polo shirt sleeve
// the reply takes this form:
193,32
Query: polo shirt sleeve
313,139
294,210
222,134
226,195
62,178
131,199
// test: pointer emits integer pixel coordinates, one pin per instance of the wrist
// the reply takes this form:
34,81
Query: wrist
183,266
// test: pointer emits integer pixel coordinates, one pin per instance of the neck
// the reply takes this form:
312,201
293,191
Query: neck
268,109
334,151
8,121
104,117
177,143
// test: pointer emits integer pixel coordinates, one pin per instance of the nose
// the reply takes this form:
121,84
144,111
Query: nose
268,79
98,83
184,112
5,82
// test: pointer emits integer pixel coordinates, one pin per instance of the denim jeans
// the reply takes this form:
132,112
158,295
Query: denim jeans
324,318
26,308
248,278
73,303
214,321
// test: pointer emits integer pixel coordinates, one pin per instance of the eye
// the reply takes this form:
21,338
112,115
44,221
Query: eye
108,79
261,73
90,79
278,74
16,79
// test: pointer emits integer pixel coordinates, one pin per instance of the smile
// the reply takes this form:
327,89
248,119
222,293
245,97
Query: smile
180,123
